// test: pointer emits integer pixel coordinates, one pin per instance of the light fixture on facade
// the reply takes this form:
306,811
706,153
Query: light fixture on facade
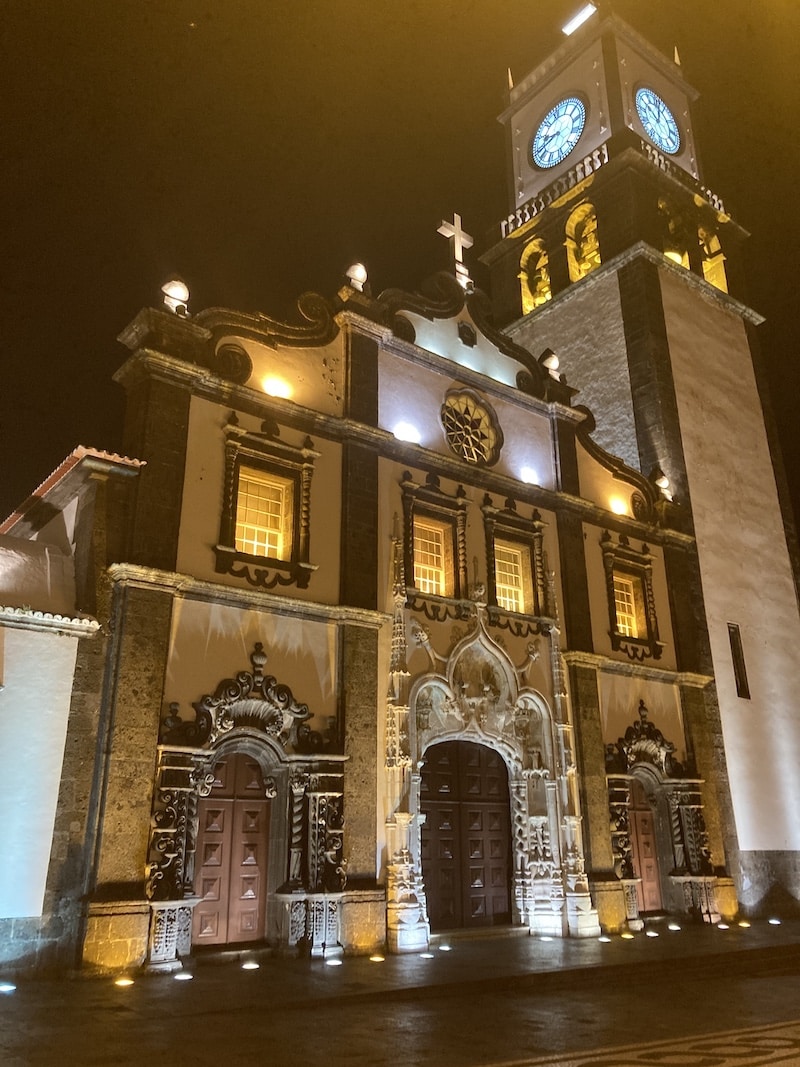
176,296
662,482
404,431
528,475
357,276
618,505
549,360
278,387
585,13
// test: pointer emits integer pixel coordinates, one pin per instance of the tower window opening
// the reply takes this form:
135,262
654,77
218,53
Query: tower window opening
583,246
534,276
675,240
737,656
713,259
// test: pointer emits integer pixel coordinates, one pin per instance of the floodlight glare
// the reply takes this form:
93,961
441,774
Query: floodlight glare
585,13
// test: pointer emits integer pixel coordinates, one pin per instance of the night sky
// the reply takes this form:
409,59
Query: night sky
258,147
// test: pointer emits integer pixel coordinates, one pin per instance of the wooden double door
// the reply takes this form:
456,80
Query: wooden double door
466,836
231,856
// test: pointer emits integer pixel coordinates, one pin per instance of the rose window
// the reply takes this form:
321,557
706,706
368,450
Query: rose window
471,428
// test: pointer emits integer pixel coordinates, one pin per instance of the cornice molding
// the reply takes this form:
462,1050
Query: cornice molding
47,622
190,588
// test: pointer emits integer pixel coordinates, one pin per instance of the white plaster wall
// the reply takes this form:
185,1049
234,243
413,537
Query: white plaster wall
38,670
744,563
593,360
36,575
203,494
313,376
414,394
619,706
598,484
210,642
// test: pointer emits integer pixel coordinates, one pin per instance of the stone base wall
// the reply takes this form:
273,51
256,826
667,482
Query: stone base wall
363,921
609,899
49,943
116,935
768,883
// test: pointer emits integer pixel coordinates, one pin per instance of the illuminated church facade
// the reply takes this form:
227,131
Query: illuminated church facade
428,611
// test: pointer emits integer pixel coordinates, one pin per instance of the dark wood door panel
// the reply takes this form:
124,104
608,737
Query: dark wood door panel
466,839
231,857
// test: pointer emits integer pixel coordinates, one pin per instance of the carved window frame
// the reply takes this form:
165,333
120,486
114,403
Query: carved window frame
429,501
620,558
263,451
507,525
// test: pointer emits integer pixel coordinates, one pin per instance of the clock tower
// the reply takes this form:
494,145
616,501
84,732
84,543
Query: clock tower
603,84
618,258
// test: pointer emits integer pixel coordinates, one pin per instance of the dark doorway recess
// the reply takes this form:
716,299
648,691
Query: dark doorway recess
466,836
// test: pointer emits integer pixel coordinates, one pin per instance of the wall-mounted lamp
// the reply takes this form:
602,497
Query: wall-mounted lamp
661,481
176,296
357,276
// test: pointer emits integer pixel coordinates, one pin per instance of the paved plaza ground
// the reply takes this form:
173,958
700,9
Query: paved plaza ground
695,997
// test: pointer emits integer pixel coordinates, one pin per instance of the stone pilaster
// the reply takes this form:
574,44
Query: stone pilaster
118,919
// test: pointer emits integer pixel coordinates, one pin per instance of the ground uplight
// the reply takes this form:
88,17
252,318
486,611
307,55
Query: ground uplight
377,958
123,982
183,976
7,987
335,962
250,965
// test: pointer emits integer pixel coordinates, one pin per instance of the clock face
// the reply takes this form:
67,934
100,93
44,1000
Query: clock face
559,132
658,121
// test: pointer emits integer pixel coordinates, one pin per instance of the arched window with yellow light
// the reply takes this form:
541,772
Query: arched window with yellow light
713,259
534,276
675,239
583,247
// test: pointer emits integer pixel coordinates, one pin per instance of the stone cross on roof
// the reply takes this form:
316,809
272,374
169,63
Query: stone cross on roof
459,240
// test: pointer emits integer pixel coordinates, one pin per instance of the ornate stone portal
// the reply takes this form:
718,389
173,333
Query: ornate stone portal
676,798
256,714
477,694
